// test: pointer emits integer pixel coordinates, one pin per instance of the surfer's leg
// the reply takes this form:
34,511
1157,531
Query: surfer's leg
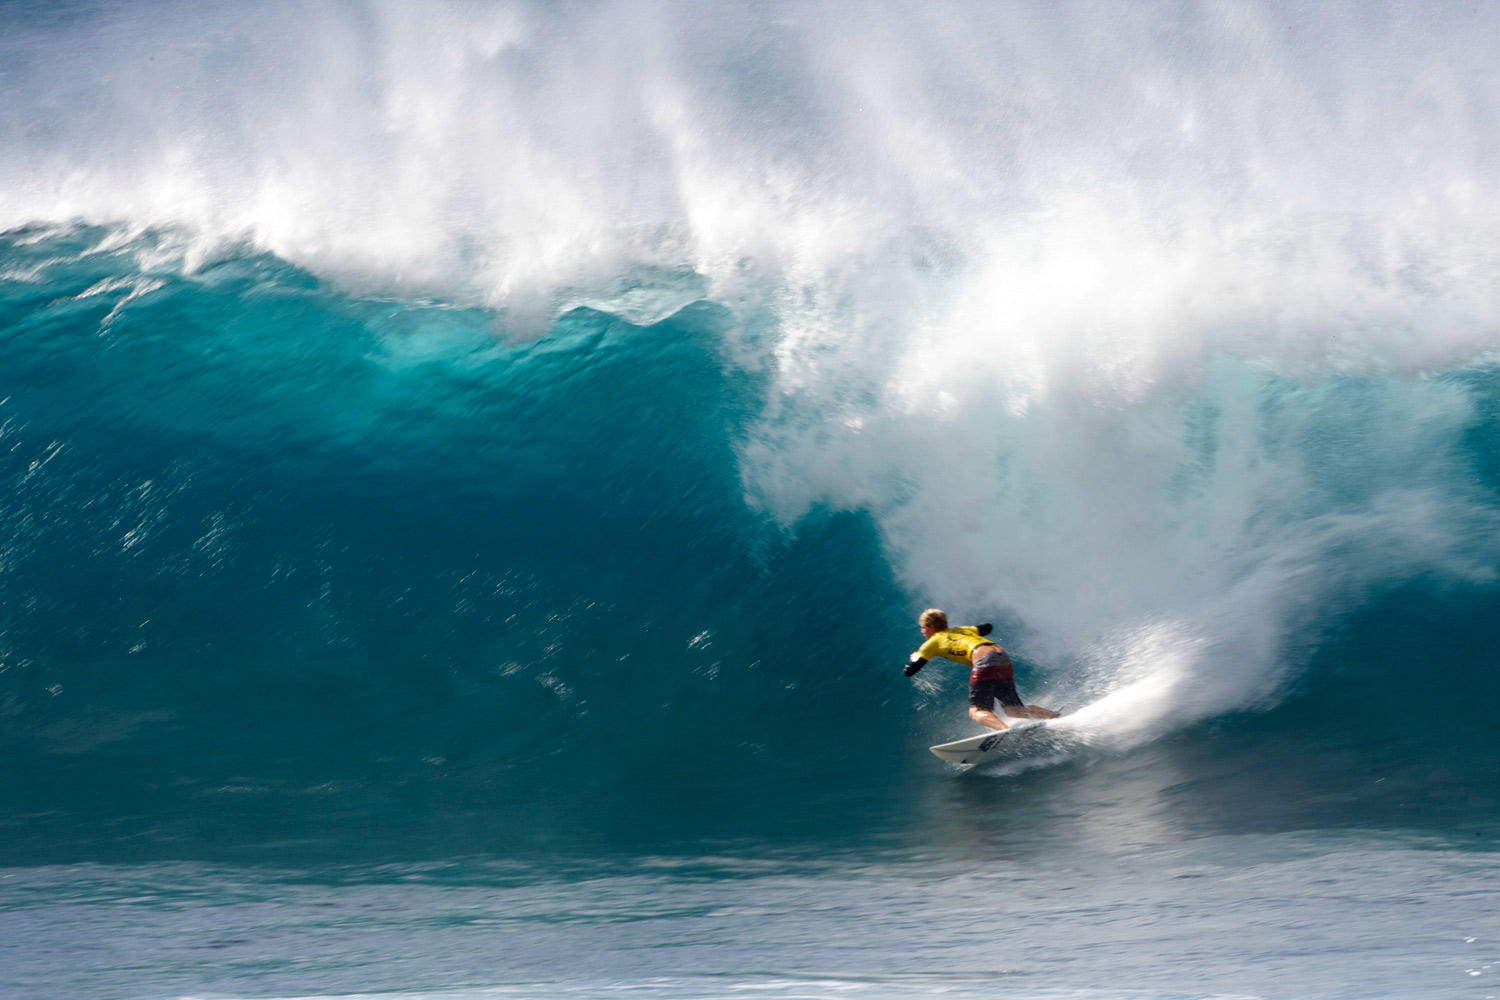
1029,712
987,719
1012,705
981,703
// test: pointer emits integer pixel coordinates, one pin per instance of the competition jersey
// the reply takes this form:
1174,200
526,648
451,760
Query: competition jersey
956,644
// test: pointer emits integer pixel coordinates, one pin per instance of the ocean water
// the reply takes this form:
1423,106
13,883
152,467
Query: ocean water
470,472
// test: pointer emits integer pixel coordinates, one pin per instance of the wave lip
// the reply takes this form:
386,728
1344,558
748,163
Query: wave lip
1111,180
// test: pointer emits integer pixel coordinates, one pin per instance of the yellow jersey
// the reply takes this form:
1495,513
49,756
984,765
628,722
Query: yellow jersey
956,644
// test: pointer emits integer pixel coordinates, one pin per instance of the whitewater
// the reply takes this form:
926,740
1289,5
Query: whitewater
471,471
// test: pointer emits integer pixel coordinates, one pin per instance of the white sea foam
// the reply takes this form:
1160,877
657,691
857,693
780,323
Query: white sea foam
1022,279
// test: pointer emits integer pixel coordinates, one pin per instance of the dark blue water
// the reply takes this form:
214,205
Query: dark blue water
455,542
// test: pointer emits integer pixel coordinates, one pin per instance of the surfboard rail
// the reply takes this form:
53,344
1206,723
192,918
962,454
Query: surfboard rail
974,749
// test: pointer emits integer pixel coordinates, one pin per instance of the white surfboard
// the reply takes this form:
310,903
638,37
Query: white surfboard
994,745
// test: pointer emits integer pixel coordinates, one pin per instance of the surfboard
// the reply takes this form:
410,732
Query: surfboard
1012,742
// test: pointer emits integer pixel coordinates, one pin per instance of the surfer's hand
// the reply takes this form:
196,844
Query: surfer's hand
913,665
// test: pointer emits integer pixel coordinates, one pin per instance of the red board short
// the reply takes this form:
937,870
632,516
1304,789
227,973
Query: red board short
993,679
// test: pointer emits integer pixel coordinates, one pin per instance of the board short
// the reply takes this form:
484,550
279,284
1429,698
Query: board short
984,694
993,679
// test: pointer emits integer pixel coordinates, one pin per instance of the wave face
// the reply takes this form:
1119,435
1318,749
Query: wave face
507,426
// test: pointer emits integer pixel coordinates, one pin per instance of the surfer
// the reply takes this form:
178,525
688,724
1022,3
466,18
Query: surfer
992,677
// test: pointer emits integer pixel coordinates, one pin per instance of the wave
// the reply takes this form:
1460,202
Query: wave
270,547
420,415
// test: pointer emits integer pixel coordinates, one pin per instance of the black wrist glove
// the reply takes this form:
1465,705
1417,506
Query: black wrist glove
913,665
985,629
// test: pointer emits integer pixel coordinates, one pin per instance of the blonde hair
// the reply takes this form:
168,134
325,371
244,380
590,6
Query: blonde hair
933,618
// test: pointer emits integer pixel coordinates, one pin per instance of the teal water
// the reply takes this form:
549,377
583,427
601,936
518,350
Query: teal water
461,531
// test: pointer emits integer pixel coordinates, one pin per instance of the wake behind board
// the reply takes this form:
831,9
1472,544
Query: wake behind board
1013,742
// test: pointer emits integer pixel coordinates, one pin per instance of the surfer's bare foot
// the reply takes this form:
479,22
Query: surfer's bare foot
1029,712
987,719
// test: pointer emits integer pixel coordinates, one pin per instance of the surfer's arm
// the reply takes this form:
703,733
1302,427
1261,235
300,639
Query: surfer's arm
914,663
984,629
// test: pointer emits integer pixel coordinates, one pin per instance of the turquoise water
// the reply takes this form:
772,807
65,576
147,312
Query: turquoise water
471,474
